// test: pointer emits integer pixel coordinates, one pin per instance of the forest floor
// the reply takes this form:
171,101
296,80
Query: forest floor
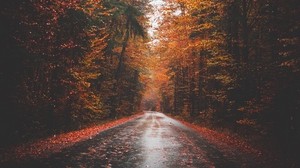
219,138
56,143
266,150
151,140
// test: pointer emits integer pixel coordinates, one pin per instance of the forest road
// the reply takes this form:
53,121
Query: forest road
150,141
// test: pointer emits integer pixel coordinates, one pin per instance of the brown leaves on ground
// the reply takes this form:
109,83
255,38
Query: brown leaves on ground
42,147
226,140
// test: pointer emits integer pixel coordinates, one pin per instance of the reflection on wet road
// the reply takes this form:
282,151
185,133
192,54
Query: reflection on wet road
153,140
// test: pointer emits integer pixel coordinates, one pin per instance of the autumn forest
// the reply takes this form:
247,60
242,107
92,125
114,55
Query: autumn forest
229,65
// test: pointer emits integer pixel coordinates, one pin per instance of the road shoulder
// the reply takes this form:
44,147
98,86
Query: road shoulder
54,144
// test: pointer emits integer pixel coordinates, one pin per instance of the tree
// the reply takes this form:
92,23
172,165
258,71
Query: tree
65,77
124,25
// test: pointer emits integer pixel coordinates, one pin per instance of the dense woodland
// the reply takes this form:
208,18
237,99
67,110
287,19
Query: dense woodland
234,64
224,63
68,64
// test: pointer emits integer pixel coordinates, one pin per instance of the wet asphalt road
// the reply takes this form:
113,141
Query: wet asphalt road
153,140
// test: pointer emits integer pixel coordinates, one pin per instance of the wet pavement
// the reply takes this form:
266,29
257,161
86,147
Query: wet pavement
151,141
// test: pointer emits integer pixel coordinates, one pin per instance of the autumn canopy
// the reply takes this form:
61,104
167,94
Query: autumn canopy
223,63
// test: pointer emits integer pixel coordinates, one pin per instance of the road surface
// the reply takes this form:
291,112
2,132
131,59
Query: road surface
150,141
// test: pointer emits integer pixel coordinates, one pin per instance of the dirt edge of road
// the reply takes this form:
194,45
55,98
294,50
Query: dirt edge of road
225,140
54,144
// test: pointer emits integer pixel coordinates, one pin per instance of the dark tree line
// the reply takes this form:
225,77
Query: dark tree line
245,73
61,67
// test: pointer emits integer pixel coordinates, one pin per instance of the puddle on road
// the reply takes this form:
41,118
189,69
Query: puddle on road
159,146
